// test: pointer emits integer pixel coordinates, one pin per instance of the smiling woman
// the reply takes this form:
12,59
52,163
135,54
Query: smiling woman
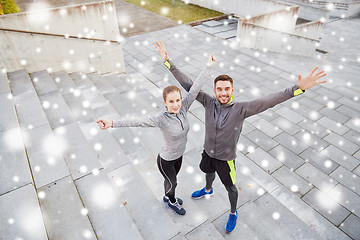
181,12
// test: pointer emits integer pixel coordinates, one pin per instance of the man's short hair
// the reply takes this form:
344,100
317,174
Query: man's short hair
223,78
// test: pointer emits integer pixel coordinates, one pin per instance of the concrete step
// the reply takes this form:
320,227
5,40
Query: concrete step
110,153
107,213
64,83
43,82
65,217
101,82
81,157
45,154
288,221
303,211
53,103
29,111
4,83
14,167
19,82
8,112
150,217
262,225
20,215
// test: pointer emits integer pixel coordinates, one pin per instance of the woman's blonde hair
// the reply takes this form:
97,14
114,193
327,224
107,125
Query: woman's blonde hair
170,89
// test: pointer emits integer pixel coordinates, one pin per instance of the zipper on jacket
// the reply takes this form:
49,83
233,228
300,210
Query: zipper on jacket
180,122
216,130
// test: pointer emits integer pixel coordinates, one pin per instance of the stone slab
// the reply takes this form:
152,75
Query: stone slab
204,231
288,221
29,110
290,115
153,222
342,158
346,197
4,83
20,216
316,177
307,214
291,143
64,83
351,226
14,167
286,125
107,213
81,158
110,154
313,128
45,154
56,109
64,214
319,160
20,82
7,112
262,224
333,125
326,206
43,82
292,181
342,143
291,160
267,127
261,139
81,110
264,160
212,23
311,140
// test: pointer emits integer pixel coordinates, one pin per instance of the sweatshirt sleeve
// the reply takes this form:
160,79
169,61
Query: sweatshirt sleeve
261,104
196,87
146,121
186,82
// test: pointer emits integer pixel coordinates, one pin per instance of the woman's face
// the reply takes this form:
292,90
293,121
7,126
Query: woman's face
173,102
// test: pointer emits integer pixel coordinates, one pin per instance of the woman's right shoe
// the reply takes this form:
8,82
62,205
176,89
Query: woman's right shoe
166,199
176,207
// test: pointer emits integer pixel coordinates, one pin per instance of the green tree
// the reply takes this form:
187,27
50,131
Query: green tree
8,6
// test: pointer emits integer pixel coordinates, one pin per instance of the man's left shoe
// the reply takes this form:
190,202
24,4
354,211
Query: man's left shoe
231,224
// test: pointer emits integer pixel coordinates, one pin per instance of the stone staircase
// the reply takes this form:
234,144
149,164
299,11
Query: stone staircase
65,179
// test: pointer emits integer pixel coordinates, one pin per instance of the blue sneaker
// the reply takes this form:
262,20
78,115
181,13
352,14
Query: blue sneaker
200,193
179,200
231,224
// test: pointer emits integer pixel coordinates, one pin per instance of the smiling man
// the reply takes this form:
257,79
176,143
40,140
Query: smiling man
224,119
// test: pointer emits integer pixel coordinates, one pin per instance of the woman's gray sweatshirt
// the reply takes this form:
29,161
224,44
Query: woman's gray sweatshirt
174,126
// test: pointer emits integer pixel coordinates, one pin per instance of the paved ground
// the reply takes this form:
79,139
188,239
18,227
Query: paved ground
298,165
133,20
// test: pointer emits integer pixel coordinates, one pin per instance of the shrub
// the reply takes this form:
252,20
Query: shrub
9,6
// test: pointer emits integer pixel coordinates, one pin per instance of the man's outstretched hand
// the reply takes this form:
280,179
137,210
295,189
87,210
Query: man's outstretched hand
161,48
311,80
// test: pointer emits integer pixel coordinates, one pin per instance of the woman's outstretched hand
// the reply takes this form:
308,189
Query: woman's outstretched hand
311,80
104,124
211,60
161,48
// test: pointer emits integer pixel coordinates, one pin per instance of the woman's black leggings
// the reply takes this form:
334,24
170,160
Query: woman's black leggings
169,170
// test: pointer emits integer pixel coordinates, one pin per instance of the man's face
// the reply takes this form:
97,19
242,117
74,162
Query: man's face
223,91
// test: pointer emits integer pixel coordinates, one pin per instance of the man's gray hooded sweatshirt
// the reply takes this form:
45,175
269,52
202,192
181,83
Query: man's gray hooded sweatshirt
174,126
223,122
